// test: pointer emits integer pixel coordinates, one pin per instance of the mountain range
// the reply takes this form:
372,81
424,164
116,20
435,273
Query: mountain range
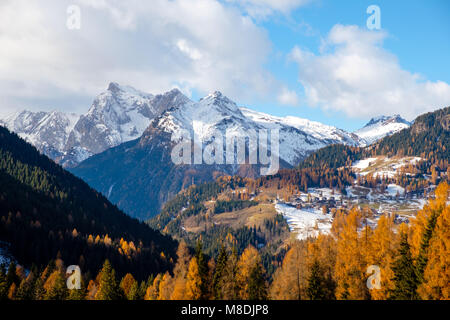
118,115
122,113
122,145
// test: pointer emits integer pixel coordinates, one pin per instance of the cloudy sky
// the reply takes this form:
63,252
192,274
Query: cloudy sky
309,58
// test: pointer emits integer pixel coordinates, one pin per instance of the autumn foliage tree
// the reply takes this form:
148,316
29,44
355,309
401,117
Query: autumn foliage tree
194,281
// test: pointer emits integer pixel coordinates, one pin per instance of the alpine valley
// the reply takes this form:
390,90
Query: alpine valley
379,194
122,145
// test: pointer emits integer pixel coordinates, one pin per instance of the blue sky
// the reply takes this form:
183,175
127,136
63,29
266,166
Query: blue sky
419,35
314,59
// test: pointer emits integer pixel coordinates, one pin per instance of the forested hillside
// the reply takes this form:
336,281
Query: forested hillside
47,212
428,138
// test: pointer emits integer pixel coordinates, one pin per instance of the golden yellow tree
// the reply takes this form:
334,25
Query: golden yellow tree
351,264
127,282
91,290
289,281
382,250
165,287
180,272
194,281
249,261
436,278
152,291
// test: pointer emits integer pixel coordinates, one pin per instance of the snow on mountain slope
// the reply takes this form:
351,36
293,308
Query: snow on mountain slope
118,115
298,136
213,112
47,131
382,126
384,166
305,223
122,113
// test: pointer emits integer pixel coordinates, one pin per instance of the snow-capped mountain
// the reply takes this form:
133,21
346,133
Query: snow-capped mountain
118,115
47,131
380,127
299,137
122,113
146,164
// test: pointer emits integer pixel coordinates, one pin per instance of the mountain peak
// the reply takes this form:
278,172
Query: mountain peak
218,99
216,95
114,86
386,119
382,126
175,93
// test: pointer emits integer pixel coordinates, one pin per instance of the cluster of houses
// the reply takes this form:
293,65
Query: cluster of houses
317,201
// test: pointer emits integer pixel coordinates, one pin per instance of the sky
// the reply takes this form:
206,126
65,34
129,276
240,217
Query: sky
315,59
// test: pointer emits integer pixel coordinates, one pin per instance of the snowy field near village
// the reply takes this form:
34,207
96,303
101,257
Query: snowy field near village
305,223
310,221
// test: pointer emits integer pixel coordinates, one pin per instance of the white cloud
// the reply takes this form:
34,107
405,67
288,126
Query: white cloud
356,75
288,97
200,45
265,8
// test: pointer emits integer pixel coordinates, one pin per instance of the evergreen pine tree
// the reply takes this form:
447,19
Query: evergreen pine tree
405,277
134,293
108,287
143,288
230,284
218,275
56,287
257,289
316,283
39,291
202,269
422,259
11,275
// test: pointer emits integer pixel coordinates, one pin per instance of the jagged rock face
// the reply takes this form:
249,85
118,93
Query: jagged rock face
118,115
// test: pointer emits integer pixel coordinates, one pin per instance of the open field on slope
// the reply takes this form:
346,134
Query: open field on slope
250,217
383,166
